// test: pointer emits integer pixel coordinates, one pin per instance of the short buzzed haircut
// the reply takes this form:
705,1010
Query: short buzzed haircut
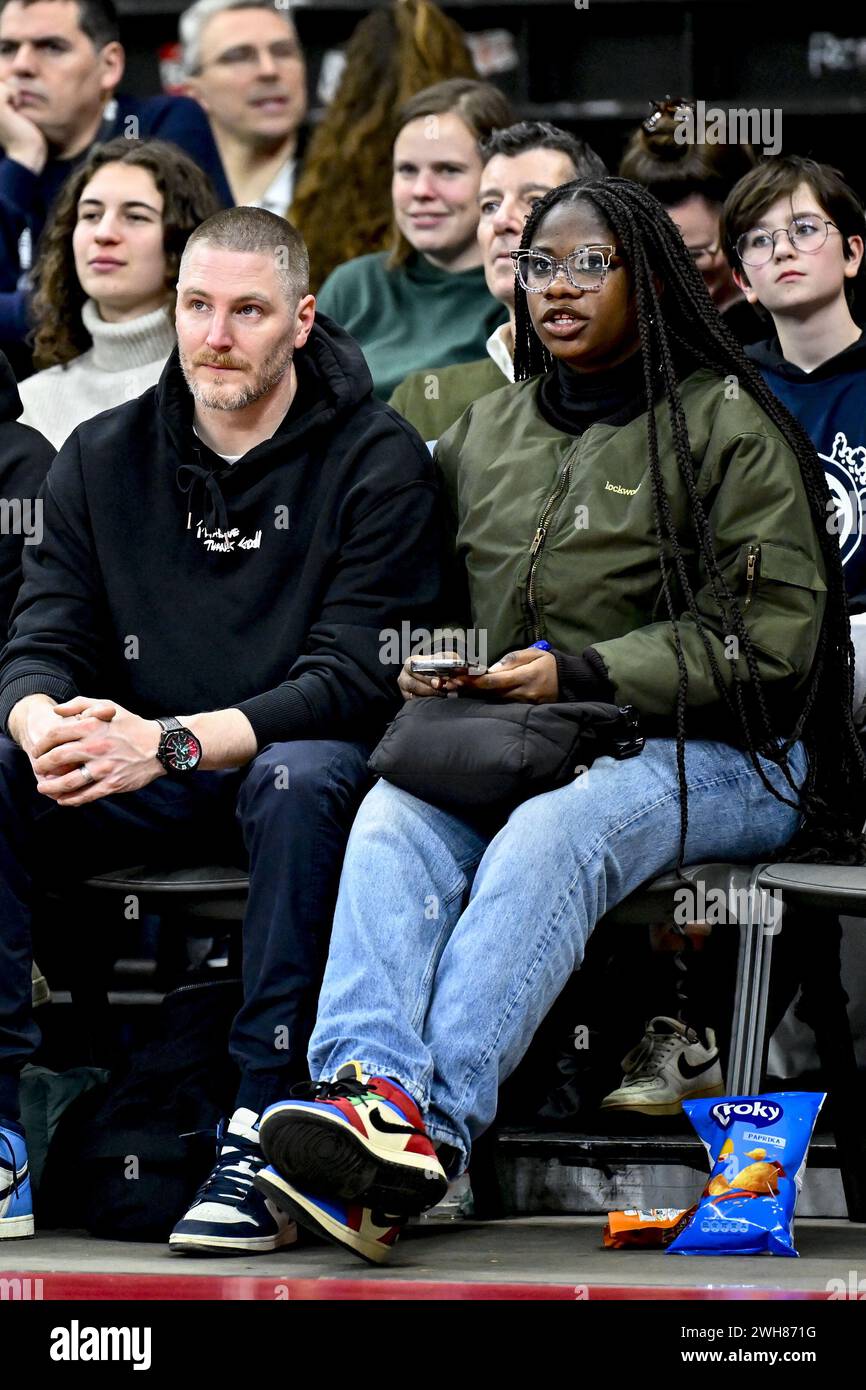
259,232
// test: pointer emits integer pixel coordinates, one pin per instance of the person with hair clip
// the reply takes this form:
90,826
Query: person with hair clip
105,281
427,304
692,182
606,507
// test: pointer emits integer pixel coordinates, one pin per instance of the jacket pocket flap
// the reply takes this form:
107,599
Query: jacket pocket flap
788,566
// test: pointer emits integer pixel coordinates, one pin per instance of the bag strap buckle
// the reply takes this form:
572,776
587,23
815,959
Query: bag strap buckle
630,741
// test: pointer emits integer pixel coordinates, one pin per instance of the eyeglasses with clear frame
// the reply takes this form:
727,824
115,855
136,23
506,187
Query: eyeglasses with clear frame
809,234
585,268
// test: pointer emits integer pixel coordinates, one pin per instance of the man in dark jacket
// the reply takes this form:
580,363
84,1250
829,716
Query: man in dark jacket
25,457
60,64
205,637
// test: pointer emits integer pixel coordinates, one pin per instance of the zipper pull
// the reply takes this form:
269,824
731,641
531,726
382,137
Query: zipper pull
538,541
753,560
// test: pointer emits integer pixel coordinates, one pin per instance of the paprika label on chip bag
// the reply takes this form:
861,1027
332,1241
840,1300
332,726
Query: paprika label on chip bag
757,1147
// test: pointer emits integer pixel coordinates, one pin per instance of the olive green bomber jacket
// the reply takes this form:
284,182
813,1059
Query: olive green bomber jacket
558,540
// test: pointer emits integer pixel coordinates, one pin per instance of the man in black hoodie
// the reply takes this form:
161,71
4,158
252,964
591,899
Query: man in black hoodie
25,457
205,637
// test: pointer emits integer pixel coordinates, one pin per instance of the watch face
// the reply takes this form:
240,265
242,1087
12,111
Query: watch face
181,750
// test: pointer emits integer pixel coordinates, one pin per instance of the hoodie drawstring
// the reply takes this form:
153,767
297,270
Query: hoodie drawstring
217,516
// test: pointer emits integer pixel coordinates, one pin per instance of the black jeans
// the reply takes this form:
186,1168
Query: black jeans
288,813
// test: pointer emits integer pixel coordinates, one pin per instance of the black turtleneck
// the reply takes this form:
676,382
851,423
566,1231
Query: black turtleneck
572,401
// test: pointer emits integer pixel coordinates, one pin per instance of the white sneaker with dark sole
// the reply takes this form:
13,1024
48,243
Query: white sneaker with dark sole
668,1066
228,1215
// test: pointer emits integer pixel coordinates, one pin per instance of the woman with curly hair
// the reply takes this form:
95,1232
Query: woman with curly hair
105,277
427,304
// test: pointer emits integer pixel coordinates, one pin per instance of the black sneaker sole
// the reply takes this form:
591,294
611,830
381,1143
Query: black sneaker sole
326,1159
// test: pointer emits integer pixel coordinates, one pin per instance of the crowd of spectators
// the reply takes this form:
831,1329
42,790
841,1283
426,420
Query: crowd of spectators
258,414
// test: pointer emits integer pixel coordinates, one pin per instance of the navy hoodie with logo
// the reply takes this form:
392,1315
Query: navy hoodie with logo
830,403
174,582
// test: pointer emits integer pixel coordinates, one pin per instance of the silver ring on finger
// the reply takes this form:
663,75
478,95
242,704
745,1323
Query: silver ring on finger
86,774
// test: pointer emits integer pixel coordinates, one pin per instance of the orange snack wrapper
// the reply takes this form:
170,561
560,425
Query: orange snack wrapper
641,1229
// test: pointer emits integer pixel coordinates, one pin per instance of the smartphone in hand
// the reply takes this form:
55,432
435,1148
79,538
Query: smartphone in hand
444,666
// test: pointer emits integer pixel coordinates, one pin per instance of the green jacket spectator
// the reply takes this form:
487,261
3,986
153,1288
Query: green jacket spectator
434,400
426,304
594,581
414,317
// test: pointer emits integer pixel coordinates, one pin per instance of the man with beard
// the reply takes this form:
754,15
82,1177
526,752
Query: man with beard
200,659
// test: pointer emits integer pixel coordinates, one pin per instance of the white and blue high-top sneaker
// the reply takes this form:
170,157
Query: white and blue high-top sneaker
228,1215
16,1198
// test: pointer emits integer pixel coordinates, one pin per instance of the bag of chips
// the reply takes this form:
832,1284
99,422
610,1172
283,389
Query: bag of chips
757,1147
655,1227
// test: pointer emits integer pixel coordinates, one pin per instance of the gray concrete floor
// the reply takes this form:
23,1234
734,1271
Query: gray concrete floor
559,1250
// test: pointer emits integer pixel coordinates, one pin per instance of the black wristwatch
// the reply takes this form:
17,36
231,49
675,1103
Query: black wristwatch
179,750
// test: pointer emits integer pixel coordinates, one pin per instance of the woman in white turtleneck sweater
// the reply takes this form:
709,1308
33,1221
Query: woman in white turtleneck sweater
105,277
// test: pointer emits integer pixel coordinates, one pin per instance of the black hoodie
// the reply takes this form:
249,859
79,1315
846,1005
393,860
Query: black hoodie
25,457
830,403
176,583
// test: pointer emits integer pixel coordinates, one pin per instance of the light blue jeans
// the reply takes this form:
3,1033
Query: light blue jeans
449,945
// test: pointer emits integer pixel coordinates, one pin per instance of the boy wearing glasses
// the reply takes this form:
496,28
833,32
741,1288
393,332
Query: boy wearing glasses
794,234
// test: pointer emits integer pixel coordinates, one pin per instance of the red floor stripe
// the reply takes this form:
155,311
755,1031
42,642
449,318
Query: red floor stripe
68,1286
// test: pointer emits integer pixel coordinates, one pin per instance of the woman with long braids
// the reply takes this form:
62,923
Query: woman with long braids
639,501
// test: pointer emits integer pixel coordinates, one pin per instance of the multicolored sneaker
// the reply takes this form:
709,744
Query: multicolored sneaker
16,1199
228,1216
359,1138
370,1234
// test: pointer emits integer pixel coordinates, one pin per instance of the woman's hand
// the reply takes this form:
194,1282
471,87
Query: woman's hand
412,685
529,675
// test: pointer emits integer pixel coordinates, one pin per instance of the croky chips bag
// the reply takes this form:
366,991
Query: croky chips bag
757,1147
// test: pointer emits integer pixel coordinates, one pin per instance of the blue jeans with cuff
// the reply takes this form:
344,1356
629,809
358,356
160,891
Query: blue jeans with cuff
451,943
